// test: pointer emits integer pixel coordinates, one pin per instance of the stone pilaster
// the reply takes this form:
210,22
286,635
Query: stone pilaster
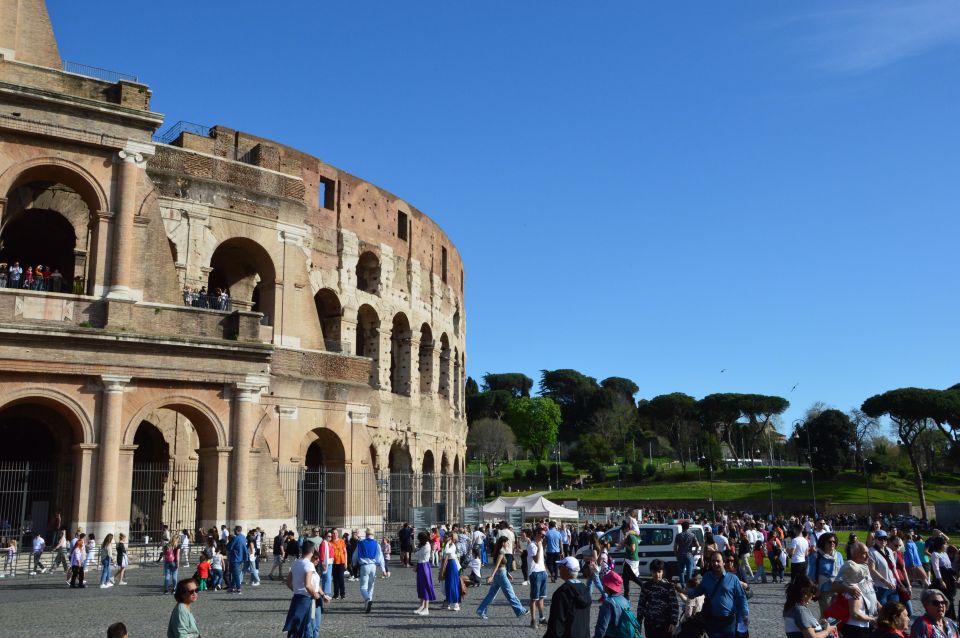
108,458
243,501
132,161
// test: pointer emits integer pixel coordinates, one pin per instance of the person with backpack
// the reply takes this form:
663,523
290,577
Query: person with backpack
725,606
615,619
658,608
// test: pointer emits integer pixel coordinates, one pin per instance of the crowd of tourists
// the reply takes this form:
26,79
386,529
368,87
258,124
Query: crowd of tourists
201,298
39,277
862,583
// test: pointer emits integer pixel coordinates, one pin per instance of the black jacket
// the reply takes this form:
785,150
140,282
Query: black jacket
569,612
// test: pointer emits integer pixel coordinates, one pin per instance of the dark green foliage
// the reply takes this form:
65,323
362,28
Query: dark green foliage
650,470
470,388
622,388
516,383
589,449
574,393
535,422
531,474
636,471
517,473
541,471
488,405
556,474
832,436
711,453
599,472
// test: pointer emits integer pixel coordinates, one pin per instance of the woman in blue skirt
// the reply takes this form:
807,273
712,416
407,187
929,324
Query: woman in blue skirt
425,591
303,616
450,573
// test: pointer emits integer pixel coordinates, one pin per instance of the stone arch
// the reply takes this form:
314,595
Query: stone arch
330,313
210,430
368,339
425,359
400,355
428,482
446,482
57,170
323,490
368,273
245,268
456,322
443,388
67,406
401,482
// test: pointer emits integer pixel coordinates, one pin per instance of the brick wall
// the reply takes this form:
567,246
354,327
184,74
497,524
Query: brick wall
321,365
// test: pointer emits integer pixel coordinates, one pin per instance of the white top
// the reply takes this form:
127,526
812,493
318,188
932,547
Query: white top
798,549
422,555
721,542
450,551
511,539
301,567
939,561
535,562
882,568
478,538
474,566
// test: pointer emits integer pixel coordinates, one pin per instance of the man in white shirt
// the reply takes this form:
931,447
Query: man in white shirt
720,540
38,545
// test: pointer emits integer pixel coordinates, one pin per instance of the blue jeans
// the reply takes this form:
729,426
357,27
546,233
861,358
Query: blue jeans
721,628
595,580
169,576
254,573
105,572
236,573
761,574
688,567
326,580
216,578
885,595
368,578
500,581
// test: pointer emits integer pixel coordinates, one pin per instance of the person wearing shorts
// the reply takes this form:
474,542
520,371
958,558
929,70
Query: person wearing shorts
537,575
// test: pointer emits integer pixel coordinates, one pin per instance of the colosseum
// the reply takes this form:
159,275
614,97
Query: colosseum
209,327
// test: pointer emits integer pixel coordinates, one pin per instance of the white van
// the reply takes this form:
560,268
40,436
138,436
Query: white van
656,541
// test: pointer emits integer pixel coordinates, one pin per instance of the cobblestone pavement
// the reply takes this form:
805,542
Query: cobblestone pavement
44,606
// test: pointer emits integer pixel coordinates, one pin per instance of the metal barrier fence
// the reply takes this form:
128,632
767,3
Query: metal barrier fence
164,494
171,134
31,495
363,498
98,73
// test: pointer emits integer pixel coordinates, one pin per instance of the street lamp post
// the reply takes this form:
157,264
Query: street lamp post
810,452
713,503
866,470
619,504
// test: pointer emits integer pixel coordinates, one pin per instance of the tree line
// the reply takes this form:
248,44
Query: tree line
592,423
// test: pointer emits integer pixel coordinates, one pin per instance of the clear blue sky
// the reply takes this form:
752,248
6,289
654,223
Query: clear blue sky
653,191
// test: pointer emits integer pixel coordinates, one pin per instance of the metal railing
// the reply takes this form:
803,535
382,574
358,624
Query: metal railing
163,494
97,73
172,133
208,302
31,494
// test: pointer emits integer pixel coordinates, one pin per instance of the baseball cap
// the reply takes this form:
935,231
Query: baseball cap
880,534
570,563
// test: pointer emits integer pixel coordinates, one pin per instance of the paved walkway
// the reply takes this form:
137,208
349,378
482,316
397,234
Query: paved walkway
45,606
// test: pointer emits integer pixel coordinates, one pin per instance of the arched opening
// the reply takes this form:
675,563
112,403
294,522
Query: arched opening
444,387
323,488
447,495
456,322
45,224
368,340
36,468
166,487
428,483
244,270
330,313
368,273
425,360
401,483
400,353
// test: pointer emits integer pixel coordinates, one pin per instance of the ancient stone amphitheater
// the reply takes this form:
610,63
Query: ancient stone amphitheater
326,388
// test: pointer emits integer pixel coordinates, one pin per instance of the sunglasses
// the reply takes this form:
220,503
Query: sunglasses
193,591
939,602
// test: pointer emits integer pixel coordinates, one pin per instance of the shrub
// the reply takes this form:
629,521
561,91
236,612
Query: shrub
636,471
599,473
531,474
517,473
650,470
542,471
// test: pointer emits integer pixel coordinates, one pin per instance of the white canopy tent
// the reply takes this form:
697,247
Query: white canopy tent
535,506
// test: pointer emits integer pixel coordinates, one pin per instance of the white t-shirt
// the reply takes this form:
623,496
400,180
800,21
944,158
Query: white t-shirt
478,538
535,562
511,539
721,542
798,549
450,551
300,568
882,567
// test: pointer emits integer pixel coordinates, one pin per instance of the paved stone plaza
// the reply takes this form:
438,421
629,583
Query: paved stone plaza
44,606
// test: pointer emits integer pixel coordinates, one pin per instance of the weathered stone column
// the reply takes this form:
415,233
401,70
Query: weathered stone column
214,462
108,458
414,392
386,349
131,160
243,497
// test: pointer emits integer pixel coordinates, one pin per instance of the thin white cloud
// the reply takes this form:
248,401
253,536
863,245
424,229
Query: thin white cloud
880,33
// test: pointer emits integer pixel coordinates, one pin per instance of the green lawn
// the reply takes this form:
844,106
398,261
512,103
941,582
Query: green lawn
788,483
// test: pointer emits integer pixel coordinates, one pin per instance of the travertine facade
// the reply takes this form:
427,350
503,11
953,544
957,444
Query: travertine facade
345,334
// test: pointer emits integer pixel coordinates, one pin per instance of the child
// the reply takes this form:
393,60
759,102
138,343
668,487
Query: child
91,548
385,548
10,559
473,569
203,573
605,563
425,591
434,547
758,555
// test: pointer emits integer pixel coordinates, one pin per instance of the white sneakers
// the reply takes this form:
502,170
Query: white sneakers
422,612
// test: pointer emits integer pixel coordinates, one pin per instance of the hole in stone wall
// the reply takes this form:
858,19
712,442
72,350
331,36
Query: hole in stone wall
327,190
402,225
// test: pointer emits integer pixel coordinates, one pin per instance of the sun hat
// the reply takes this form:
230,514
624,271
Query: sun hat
612,581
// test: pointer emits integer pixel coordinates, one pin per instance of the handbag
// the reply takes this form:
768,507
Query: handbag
839,609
